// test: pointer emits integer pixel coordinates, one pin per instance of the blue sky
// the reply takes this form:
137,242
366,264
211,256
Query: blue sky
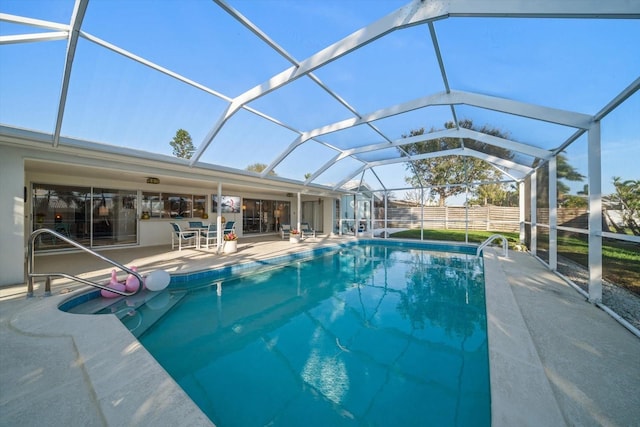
577,65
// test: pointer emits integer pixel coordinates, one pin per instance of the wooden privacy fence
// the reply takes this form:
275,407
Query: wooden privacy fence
567,217
495,218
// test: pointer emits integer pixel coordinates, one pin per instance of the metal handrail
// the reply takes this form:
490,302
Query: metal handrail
47,289
505,244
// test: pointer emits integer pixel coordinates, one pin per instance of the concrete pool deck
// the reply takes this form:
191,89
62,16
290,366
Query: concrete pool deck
555,359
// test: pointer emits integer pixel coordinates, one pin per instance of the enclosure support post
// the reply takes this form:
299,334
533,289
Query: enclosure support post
421,212
521,205
534,216
466,213
219,224
386,223
466,203
299,215
595,213
372,212
553,215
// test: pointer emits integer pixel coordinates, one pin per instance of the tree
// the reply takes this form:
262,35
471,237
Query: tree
494,194
628,193
414,197
182,144
564,172
440,172
571,201
259,167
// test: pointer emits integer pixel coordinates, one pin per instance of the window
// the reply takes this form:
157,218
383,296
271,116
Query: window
90,216
264,216
170,205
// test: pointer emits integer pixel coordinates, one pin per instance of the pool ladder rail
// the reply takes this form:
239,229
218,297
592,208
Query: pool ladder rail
505,244
47,287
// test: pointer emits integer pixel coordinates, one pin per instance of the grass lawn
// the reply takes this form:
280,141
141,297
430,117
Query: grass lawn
621,260
456,235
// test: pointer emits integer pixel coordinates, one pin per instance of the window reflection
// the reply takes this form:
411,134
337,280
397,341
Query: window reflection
92,217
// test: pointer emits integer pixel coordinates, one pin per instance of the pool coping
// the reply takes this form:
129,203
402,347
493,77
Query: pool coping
521,394
107,351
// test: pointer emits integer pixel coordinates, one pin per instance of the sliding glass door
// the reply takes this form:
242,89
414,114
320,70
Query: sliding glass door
92,217
264,216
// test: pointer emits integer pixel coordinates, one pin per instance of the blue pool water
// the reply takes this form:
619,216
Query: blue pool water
369,335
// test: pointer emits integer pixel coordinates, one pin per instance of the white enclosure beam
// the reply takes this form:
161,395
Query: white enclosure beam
455,152
403,17
456,133
553,214
537,112
543,8
35,37
349,177
226,115
152,65
32,22
446,133
522,204
299,213
386,217
595,213
322,169
496,160
219,224
76,22
398,19
534,213
507,144
283,155
421,12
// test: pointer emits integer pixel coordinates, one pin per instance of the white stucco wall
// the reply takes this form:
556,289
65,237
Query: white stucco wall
36,162
12,217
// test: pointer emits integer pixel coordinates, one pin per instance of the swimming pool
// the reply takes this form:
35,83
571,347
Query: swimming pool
366,335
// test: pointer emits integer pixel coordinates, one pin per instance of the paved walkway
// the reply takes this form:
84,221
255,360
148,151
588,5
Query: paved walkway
592,362
555,358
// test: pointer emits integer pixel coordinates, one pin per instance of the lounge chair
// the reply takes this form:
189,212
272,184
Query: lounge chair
184,239
209,235
285,230
307,231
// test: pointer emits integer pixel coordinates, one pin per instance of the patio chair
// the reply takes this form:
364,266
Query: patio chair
63,228
196,224
285,230
306,230
209,235
229,227
184,239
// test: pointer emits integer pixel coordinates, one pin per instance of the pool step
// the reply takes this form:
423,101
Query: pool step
97,304
137,312
141,317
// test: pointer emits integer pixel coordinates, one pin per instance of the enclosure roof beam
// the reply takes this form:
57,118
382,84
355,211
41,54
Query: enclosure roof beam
369,165
32,22
456,133
551,115
497,160
74,31
35,37
446,133
420,12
